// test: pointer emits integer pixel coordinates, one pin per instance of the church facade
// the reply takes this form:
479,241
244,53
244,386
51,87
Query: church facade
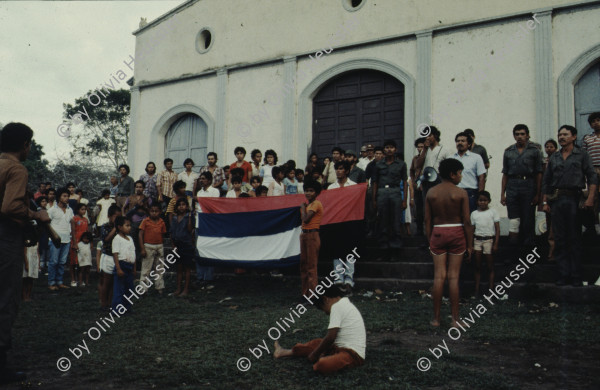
302,76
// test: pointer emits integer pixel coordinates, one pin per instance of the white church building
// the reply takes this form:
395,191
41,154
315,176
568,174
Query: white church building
302,76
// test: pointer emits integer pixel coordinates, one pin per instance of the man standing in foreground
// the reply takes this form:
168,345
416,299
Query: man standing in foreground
521,186
15,144
565,177
388,199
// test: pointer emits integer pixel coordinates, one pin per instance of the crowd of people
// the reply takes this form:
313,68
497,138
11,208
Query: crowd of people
443,190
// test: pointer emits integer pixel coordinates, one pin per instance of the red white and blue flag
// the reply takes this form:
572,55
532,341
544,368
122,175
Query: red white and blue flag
264,232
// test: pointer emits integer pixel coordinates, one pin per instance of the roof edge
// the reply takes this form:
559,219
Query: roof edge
165,16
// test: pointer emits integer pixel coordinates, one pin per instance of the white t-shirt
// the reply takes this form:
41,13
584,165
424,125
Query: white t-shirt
188,179
434,157
352,334
266,174
212,192
125,248
276,189
231,194
105,204
61,222
484,222
337,185
84,256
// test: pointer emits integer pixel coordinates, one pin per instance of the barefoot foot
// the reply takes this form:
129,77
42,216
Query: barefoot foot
183,294
434,323
277,351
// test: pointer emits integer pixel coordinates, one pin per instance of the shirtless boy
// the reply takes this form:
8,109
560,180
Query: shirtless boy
448,227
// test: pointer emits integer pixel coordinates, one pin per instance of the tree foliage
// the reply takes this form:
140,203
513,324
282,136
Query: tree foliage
37,166
100,133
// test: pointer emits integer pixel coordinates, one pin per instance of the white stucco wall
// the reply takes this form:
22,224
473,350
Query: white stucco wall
250,31
482,76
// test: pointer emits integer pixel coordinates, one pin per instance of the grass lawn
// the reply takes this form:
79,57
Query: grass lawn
195,342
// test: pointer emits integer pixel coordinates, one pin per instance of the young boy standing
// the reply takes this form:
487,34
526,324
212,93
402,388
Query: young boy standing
310,242
150,239
240,154
487,236
448,229
276,187
344,345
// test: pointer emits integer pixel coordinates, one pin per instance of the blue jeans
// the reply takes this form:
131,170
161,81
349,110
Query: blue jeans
348,276
473,194
123,286
204,272
56,266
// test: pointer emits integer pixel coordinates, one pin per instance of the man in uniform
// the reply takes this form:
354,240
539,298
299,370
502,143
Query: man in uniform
521,185
388,199
15,144
565,177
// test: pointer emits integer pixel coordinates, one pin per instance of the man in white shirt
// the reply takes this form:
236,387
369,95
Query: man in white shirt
433,153
473,174
205,273
60,220
344,346
337,154
345,276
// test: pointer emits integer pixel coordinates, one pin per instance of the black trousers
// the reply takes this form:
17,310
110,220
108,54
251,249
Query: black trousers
11,273
566,226
519,194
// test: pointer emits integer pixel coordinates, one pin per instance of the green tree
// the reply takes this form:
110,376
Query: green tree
37,166
100,133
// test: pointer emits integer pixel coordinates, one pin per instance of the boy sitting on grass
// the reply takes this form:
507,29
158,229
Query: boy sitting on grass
345,343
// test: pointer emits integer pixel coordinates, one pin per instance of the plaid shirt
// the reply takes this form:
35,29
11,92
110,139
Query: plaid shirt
166,180
218,174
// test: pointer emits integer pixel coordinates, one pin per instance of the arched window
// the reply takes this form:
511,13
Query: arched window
187,137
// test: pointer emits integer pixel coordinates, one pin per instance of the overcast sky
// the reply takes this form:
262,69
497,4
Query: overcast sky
52,52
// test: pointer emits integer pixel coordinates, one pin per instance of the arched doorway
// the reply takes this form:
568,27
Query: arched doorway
356,108
187,137
587,98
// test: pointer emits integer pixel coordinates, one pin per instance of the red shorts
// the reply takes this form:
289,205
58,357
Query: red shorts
448,239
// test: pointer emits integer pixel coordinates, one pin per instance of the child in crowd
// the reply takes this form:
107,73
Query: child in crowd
310,243
107,263
188,176
84,201
345,343
300,179
31,269
79,225
150,239
486,238
225,187
255,182
290,183
317,176
124,262
262,191
136,210
104,203
114,186
276,187
84,257
60,220
266,170
240,172
182,236
179,190
42,202
236,183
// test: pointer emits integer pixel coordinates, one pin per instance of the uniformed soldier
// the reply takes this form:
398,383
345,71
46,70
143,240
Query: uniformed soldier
388,199
521,185
565,177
